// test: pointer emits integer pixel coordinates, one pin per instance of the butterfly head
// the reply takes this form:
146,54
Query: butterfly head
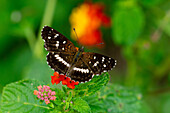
81,49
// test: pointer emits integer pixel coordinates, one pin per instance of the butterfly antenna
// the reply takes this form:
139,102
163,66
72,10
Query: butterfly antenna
76,34
100,43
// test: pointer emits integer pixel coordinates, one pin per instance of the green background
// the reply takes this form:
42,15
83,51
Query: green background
138,39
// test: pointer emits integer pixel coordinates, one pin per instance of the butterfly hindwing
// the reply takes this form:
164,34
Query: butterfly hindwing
80,72
98,63
56,42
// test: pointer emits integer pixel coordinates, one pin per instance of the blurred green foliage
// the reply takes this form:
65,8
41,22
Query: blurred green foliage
138,39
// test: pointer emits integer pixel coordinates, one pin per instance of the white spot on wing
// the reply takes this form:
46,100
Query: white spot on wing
103,59
49,37
115,63
105,71
56,55
57,45
56,35
94,57
64,42
95,64
92,76
97,74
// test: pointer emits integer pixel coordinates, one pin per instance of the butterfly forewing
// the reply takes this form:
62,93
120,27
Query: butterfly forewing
98,63
61,50
56,42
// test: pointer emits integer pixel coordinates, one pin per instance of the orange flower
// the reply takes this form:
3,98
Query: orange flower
39,87
57,78
72,84
87,19
65,80
35,92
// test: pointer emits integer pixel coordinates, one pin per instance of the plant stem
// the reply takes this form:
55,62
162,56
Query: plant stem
30,36
47,20
131,72
131,66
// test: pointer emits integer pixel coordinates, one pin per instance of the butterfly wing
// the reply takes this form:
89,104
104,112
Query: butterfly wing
59,62
91,64
56,42
80,72
61,50
98,63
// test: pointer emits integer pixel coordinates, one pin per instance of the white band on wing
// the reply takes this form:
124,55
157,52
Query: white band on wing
62,60
82,70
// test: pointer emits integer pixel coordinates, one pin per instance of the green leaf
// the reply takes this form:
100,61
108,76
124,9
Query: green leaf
118,99
59,93
128,21
93,86
95,104
18,97
51,105
80,105
64,89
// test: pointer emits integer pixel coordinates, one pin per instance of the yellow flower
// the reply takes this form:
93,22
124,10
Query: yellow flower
79,19
87,19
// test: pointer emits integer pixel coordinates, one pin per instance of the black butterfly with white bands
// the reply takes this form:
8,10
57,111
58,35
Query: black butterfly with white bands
68,60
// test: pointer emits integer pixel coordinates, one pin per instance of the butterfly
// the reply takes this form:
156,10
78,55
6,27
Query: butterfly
66,59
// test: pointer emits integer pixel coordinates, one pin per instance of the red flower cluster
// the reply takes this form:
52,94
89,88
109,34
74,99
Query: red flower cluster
87,19
65,80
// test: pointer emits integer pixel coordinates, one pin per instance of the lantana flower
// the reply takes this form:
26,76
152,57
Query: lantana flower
45,93
87,19
65,80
